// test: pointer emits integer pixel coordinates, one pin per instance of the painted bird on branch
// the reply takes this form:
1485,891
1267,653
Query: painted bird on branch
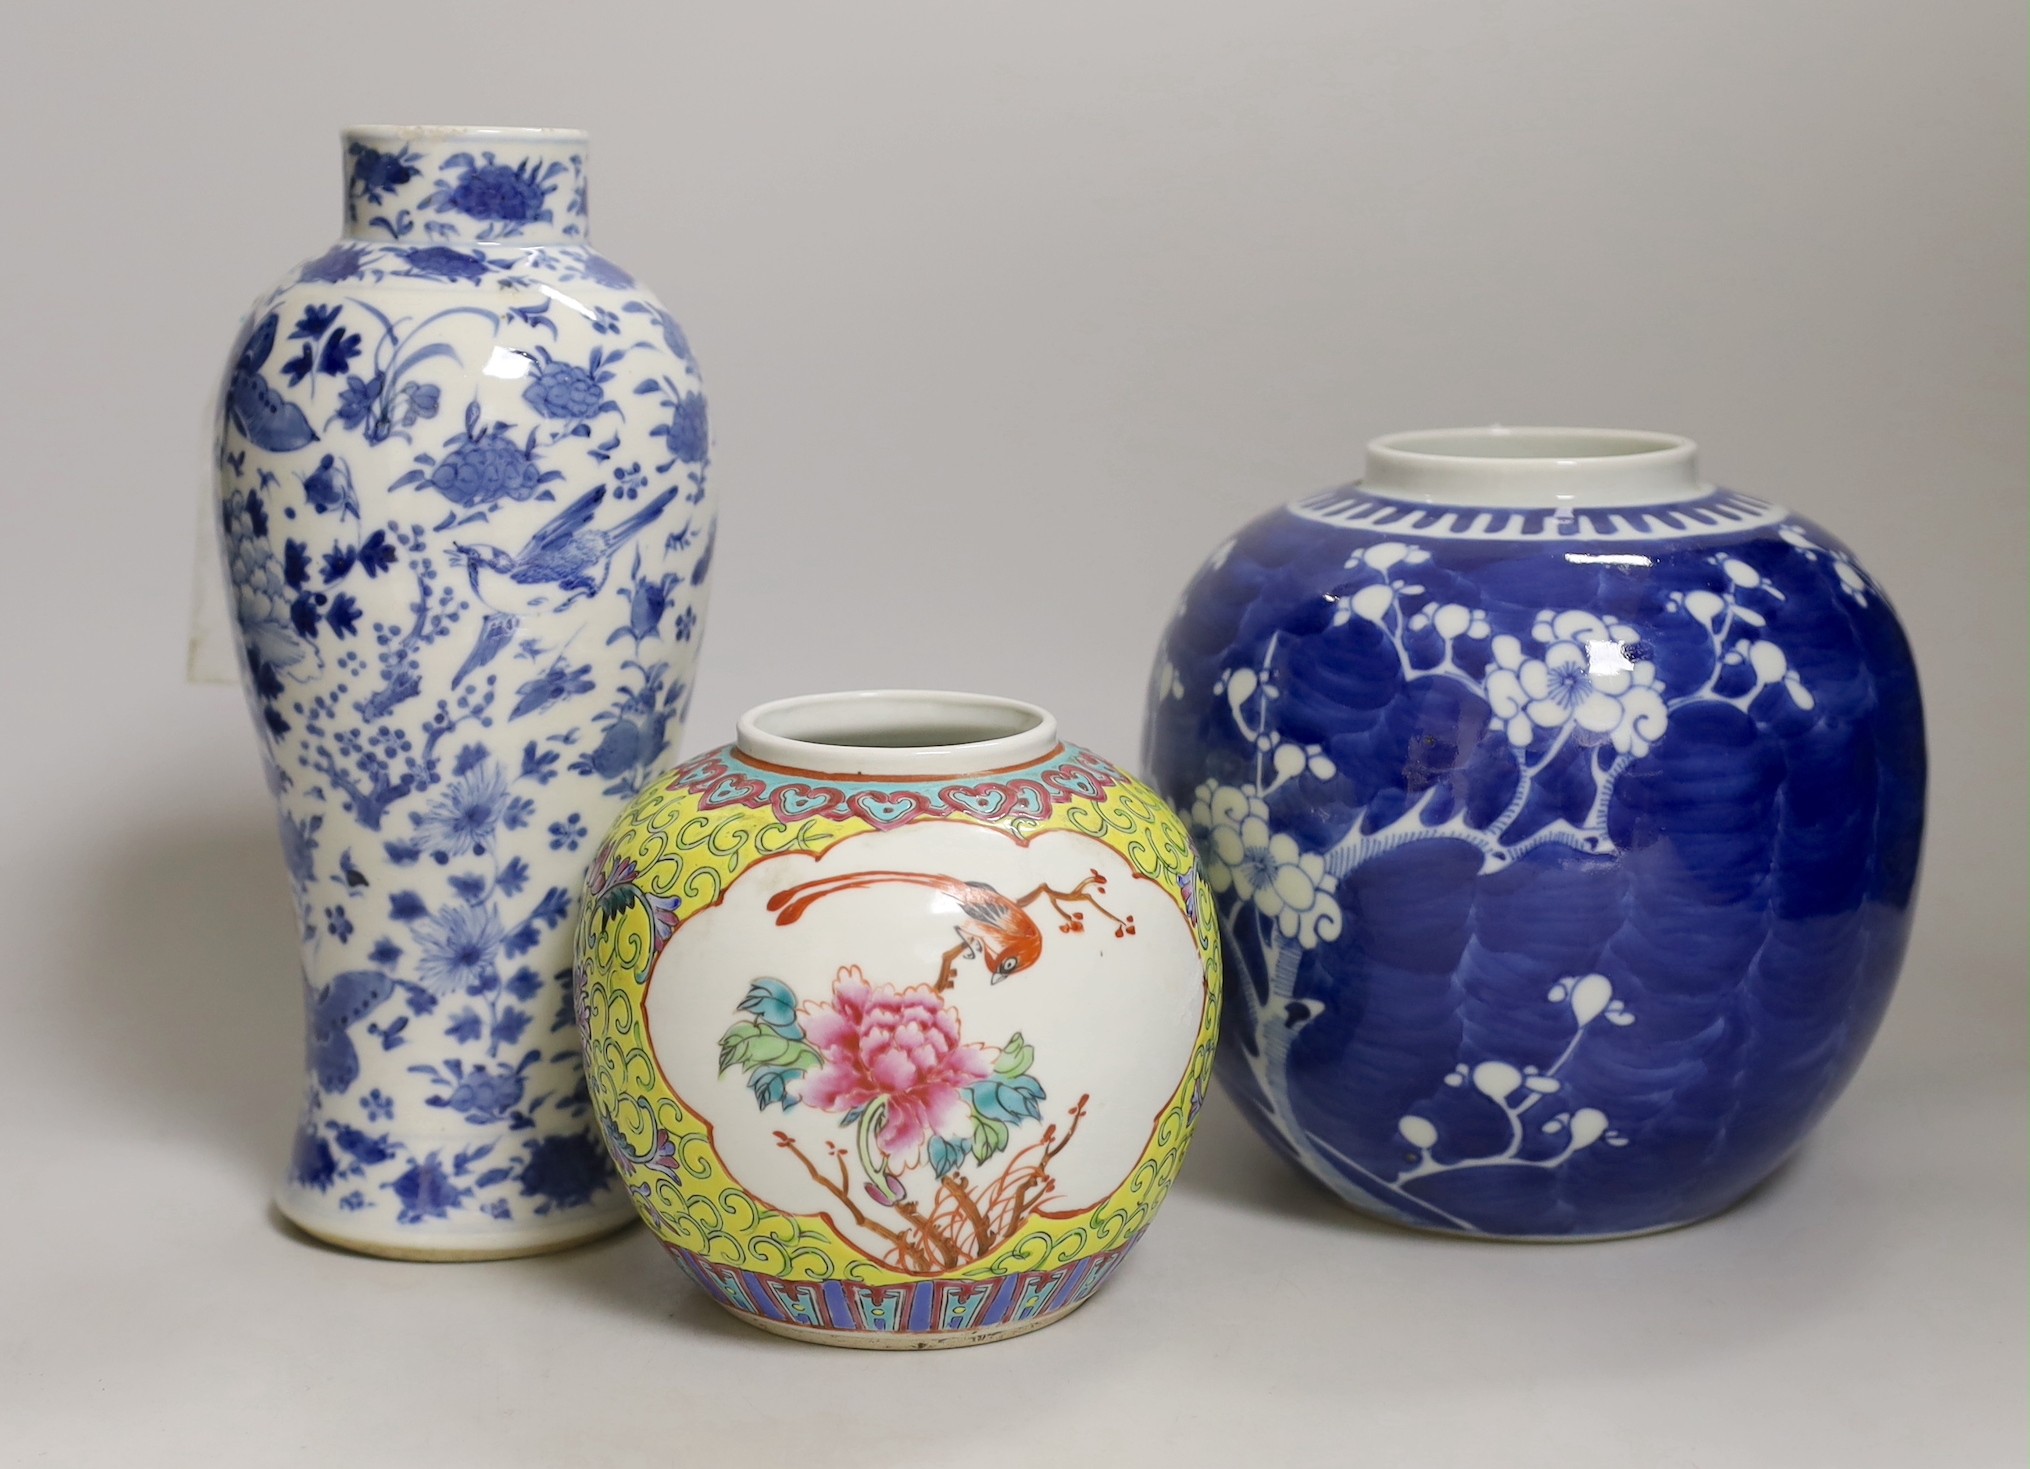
566,555
995,928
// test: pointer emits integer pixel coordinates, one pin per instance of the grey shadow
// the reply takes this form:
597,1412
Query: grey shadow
295,1234
628,1274
1768,1194
1232,1163
191,986
625,1273
1774,1266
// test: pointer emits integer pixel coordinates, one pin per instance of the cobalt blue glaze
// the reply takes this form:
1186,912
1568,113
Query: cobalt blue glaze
1565,864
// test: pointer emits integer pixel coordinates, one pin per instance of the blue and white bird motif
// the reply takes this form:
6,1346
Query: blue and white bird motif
567,556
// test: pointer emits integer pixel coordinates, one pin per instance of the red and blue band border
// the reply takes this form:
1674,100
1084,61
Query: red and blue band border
931,1307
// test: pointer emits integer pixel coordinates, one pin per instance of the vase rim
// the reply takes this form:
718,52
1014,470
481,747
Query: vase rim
439,132
1534,467
896,732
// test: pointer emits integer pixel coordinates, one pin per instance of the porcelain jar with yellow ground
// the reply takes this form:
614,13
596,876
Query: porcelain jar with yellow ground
898,1013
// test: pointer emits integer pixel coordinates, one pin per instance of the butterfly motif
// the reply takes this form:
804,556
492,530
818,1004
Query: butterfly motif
268,419
347,999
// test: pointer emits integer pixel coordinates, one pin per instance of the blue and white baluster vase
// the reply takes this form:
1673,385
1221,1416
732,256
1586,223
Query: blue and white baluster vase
461,468
1562,813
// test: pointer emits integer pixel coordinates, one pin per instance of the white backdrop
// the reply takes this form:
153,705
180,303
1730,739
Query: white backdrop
1009,314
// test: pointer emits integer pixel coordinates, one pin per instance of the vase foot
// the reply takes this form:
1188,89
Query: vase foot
902,1341
454,1249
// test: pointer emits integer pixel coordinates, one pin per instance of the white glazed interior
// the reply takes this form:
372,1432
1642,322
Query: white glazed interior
1534,468
896,732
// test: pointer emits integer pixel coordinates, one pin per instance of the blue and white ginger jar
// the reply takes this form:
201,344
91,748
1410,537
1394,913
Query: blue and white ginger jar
1562,813
461,470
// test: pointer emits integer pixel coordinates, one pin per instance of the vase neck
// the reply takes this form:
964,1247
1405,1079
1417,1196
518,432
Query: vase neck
1534,468
439,185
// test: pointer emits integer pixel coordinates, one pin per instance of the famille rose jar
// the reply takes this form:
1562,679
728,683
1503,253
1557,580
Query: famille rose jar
461,486
1562,815
898,1013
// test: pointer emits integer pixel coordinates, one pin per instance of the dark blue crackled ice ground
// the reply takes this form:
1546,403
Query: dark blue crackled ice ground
1752,923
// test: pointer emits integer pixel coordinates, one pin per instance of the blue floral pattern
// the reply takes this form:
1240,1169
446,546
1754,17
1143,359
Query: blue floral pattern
497,184
462,496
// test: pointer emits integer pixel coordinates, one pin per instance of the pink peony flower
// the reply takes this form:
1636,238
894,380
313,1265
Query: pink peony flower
903,1048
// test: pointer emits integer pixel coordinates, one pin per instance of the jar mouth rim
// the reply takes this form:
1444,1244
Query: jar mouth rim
439,132
1534,467
897,732
1535,444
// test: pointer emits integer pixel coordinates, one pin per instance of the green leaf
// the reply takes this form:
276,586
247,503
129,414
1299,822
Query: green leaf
769,1049
1016,1057
989,1137
736,1045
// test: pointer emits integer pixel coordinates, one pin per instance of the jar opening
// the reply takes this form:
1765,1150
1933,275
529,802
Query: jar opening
1532,443
468,134
897,732
1534,468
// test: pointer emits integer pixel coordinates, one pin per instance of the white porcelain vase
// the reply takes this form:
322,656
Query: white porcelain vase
462,495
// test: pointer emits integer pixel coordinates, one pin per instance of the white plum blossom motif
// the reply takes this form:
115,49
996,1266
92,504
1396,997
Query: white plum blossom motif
1288,760
1375,601
1764,660
1518,1090
1852,580
1585,678
1452,621
1577,691
1289,886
